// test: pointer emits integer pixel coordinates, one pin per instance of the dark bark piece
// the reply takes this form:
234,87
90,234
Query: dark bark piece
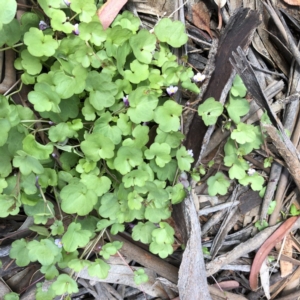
238,32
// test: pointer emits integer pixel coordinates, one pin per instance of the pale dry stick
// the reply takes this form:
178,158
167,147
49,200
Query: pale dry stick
215,219
209,210
289,157
240,250
289,124
295,139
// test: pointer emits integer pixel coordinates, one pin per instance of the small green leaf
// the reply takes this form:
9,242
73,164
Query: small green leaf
167,116
142,45
77,198
99,184
75,237
110,249
261,225
238,169
155,215
40,44
143,232
177,193
163,250
97,146
64,284
161,153
171,32
142,104
9,205
27,164
140,276
184,159
109,206
135,200
19,252
35,149
244,133
205,251
135,177
294,211
43,251
57,228
93,32
127,158
138,72
7,11
217,184
164,234
11,296
44,98
99,268
237,108
256,181
210,110
272,206
50,271
86,9
238,88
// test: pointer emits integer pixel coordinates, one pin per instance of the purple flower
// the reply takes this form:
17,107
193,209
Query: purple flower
76,29
43,25
126,101
171,90
58,243
199,77
67,2
37,182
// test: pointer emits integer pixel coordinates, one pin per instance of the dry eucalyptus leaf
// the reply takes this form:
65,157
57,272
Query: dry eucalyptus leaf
220,3
201,17
292,2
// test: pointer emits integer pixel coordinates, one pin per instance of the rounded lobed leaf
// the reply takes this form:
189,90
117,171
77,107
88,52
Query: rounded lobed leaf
171,32
39,44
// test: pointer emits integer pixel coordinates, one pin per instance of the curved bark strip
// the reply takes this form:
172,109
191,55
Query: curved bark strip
265,249
9,73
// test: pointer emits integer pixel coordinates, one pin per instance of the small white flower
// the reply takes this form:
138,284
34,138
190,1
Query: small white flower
251,172
190,152
58,243
199,77
76,29
171,90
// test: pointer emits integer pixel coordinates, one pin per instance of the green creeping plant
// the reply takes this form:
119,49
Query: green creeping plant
97,95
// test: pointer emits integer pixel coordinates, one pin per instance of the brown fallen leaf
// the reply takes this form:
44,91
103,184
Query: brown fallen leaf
109,11
264,250
286,267
292,2
201,17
